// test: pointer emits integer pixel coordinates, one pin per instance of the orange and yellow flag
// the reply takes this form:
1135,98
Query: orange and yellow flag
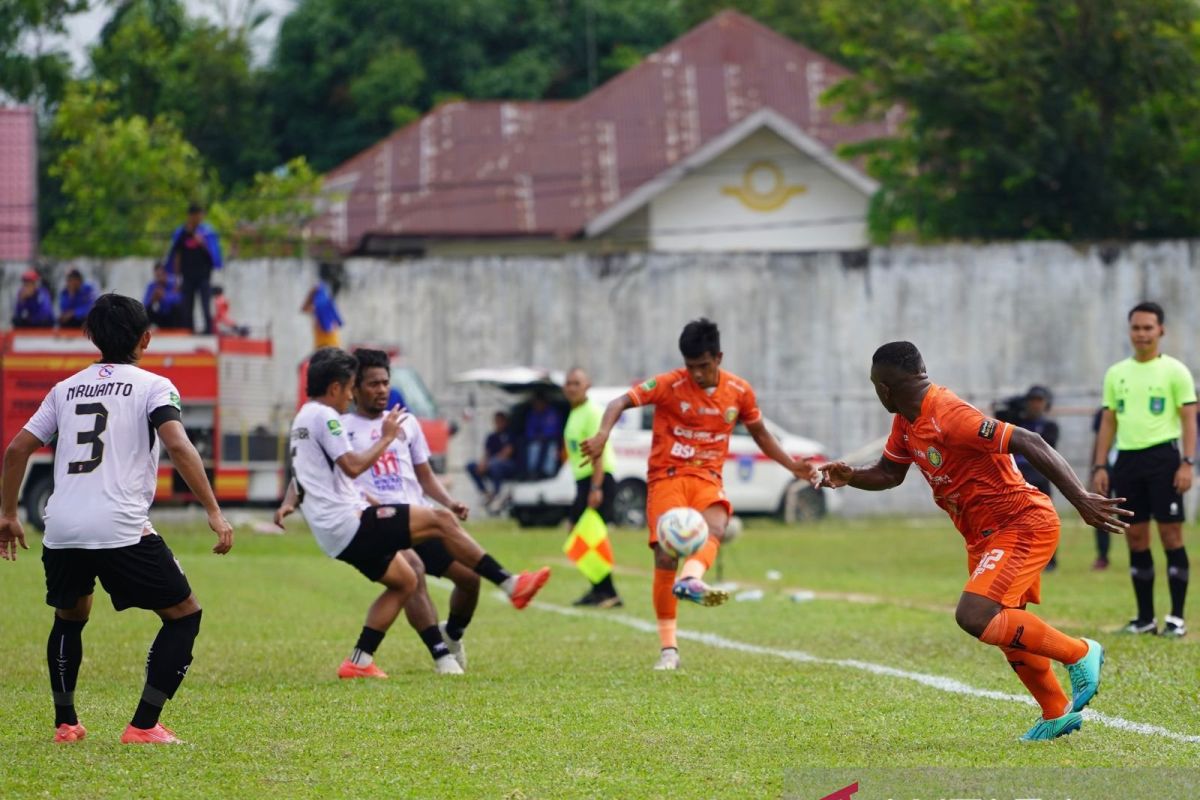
589,548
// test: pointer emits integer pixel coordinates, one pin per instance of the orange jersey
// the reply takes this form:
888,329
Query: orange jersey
692,425
964,457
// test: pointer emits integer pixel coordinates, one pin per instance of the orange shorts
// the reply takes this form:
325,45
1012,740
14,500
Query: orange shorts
1007,566
681,490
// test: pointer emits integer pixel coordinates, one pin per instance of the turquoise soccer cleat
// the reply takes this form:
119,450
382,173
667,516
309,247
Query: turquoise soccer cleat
1048,729
1085,676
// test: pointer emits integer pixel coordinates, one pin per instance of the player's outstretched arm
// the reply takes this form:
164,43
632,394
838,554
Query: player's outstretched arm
355,463
433,488
1097,510
191,467
877,477
16,457
802,468
291,499
593,448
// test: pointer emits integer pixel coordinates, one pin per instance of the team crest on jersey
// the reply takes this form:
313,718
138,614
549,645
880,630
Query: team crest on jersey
335,427
106,371
648,385
684,406
1158,405
987,430
731,415
174,397
934,456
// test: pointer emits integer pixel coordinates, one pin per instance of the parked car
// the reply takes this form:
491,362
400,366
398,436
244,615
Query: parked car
754,484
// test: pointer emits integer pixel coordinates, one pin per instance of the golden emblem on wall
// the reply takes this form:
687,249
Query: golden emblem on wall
754,198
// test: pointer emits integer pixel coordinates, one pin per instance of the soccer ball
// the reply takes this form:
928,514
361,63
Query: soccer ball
682,531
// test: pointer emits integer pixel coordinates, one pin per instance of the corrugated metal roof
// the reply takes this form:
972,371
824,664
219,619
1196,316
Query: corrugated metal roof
18,184
488,169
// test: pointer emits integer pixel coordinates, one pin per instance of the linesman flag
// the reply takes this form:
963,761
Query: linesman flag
589,548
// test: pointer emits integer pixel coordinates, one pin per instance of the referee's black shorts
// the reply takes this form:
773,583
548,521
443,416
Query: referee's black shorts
583,488
1146,479
143,575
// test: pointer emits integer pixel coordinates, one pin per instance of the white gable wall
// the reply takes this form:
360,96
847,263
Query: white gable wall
699,212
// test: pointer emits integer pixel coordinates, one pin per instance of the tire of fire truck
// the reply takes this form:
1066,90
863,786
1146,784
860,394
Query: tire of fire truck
37,492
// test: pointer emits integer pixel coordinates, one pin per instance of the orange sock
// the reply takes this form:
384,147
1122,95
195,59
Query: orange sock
1015,629
665,606
702,560
1035,672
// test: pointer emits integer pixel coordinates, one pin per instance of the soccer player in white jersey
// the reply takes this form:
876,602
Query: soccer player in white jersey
109,419
403,475
368,537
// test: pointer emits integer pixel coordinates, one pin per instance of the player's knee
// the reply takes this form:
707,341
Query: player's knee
972,620
664,560
415,562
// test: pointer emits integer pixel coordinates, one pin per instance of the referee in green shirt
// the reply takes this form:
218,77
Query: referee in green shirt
1149,403
593,490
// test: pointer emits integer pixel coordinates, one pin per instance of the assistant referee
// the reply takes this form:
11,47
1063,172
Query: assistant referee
1149,403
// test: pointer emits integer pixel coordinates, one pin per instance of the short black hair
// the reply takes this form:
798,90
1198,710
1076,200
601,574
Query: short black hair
74,273
328,366
115,324
904,356
370,358
700,337
195,208
1149,307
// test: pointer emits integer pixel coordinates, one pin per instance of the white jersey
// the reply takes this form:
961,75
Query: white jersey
393,478
329,500
106,458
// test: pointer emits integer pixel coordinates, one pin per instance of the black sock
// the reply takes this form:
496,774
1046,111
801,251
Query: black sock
1141,569
166,664
368,642
64,654
605,585
1177,579
1103,539
456,625
488,568
432,638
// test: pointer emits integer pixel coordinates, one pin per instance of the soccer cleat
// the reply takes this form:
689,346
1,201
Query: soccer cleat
590,598
1139,627
699,592
1175,627
528,584
455,646
156,735
349,669
668,659
1085,675
447,665
69,733
1100,564
1047,729
610,601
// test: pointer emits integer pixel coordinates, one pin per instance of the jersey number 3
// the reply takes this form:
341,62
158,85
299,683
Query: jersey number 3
91,437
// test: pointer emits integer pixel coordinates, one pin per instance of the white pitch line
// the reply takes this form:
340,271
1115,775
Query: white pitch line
938,682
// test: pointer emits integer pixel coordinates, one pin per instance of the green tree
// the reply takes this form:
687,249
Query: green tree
31,70
267,217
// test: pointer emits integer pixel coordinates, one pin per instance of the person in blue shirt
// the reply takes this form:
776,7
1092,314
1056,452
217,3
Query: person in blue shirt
543,438
75,300
327,323
162,298
33,309
194,253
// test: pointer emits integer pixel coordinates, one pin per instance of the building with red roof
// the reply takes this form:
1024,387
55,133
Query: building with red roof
18,184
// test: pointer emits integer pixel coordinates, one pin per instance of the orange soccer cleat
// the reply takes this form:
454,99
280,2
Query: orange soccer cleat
69,733
349,669
528,584
156,735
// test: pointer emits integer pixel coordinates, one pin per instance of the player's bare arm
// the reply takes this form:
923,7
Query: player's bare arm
802,468
882,475
355,463
593,448
1104,440
291,499
1097,510
433,488
185,458
16,457
1183,475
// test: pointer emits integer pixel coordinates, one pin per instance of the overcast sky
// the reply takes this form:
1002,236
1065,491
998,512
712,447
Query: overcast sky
85,28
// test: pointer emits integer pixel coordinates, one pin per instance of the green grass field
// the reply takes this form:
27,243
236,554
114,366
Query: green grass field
559,704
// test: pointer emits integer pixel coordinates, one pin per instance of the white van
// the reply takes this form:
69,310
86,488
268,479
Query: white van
754,483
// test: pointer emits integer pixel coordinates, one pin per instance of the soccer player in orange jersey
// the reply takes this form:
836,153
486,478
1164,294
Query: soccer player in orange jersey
695,410
1011,528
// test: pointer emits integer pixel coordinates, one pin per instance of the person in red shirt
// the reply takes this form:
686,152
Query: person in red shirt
1009,527
696,408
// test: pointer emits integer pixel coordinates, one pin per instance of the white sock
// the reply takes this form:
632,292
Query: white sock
510,585
360,658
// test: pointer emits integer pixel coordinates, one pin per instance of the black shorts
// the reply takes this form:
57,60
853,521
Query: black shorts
434,556
143,575
583,488
1146,479
382,531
